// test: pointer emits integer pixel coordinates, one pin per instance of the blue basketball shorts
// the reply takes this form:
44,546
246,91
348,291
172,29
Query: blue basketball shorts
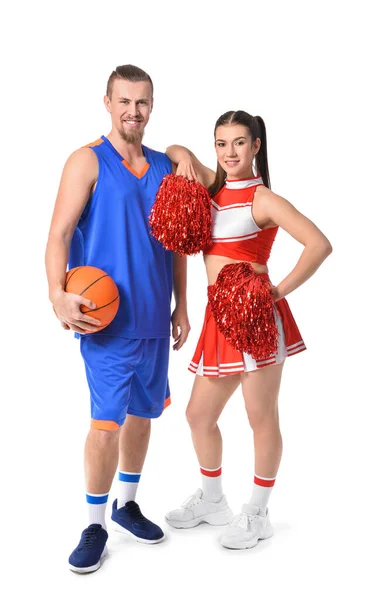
125,376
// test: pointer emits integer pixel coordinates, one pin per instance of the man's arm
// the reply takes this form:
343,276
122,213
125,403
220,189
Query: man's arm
78,178
180,322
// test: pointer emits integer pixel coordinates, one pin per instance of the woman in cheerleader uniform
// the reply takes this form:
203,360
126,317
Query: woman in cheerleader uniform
246,216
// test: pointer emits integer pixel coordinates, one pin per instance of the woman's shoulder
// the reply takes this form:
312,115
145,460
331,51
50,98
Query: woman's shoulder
265,195
268,206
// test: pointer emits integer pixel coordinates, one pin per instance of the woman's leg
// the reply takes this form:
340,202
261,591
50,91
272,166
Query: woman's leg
260,389
209,396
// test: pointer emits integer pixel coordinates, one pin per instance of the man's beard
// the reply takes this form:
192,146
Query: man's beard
131,138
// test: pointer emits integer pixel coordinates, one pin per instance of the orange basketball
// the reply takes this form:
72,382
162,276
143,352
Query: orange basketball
97,286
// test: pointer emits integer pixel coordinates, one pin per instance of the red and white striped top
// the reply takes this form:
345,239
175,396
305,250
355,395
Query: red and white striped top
234,231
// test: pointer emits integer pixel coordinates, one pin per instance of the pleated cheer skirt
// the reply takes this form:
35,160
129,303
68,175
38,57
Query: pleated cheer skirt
214,357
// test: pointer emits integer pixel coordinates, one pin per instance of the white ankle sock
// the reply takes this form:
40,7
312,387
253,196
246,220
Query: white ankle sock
261,492
127,488
212,484
96,508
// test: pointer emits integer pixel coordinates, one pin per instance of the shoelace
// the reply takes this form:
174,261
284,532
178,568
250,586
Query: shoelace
244,520
90,536
135,513
191,501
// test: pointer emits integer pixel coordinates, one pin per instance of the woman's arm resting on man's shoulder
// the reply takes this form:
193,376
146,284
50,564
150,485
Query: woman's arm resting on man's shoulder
188,165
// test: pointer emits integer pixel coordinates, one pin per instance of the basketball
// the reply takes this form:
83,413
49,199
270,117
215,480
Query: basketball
95,285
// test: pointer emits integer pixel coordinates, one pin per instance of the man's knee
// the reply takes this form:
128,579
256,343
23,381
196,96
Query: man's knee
104,438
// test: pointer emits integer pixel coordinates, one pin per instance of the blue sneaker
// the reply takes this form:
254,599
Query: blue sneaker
90,551
130,520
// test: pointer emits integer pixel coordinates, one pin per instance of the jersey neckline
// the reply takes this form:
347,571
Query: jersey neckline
137,174
240,184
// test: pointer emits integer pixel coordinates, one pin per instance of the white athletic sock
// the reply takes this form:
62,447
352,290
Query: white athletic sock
96,508
212,484
261,491
127,488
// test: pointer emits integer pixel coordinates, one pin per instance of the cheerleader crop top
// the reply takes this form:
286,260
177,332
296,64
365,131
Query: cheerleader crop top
234,231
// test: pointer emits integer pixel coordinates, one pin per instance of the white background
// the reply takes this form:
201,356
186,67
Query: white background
302,66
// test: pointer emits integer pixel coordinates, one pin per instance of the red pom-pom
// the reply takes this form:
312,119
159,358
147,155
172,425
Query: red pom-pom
242,305
181,215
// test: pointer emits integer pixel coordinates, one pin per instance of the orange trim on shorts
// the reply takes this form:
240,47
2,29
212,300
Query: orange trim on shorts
105,425
135,173
167,402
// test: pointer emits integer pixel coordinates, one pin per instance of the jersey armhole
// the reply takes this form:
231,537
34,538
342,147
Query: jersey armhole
98,185
252,208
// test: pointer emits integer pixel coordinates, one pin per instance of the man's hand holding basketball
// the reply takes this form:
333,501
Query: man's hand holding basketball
67,309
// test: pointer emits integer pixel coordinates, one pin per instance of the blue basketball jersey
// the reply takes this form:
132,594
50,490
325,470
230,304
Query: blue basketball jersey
113,234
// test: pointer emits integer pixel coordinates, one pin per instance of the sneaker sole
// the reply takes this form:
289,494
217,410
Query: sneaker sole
92,568
220,518
121,529
249,544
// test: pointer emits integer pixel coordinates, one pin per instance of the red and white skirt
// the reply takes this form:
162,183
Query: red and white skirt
214,357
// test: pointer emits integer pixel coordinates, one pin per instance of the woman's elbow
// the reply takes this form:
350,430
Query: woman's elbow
325,247
328,248
321,246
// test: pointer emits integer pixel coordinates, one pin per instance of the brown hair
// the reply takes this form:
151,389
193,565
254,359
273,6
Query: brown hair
256,129
129,73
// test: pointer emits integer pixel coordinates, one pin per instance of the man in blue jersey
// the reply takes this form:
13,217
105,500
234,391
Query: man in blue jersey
101,218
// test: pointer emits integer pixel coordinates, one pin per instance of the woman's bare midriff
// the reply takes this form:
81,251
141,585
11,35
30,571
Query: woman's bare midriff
214,265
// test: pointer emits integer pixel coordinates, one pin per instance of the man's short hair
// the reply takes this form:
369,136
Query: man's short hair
129,73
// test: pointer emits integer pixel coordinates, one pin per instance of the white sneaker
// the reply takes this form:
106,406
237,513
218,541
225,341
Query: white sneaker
247,529
196,510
